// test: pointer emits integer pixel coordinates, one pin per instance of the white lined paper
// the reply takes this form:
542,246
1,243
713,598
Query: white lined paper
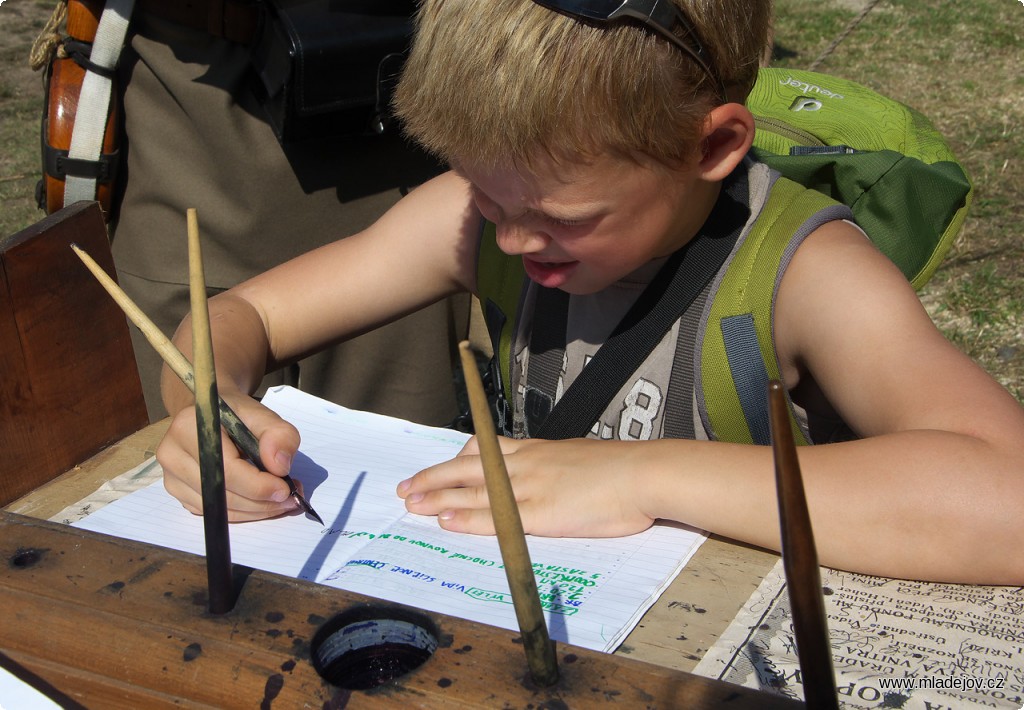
594,591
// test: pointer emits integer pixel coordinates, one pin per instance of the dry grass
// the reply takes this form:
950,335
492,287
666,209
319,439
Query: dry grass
21,95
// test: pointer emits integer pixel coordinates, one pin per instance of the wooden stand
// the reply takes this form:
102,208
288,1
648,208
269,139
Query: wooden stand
69,385
113,623
96,621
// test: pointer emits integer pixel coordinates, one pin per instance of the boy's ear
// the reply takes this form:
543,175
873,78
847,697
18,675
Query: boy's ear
728,133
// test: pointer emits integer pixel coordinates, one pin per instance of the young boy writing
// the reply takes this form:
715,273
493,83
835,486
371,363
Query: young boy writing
604,155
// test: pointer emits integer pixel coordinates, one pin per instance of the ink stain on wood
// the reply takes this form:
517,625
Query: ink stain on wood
274,617
113,587
192,652
288,666
315,619
444,682
26,557
147,571
465,649
271,690
300,648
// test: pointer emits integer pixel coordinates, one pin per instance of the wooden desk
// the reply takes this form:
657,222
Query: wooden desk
74,485
687,619
153,597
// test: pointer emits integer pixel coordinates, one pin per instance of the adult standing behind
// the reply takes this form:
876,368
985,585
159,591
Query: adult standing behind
196,136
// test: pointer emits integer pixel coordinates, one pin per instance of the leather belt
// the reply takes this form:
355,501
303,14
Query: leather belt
233,20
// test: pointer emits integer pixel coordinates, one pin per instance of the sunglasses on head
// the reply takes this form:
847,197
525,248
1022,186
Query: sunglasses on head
660,16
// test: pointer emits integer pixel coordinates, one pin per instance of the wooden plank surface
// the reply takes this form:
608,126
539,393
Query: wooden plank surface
699,605
81,480
70,385
675,633
125,625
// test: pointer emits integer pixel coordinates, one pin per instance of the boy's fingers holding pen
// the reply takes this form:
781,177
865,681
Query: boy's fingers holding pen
252,494
177,455
240,509
279,440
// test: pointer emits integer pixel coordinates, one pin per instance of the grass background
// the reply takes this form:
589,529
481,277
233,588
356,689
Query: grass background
959,62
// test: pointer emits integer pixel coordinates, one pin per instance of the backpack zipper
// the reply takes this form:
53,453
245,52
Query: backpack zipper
787,130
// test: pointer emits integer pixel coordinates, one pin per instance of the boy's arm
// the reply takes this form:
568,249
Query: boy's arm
935,487
934,490
420,251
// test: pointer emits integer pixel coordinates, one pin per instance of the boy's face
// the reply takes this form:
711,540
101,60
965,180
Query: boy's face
581,226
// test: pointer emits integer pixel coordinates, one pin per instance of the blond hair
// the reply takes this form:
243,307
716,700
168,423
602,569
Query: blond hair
491,82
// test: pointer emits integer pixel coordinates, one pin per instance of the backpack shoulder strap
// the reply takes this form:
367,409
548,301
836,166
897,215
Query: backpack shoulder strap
736,341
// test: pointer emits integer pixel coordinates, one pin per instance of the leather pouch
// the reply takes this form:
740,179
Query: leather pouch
328,67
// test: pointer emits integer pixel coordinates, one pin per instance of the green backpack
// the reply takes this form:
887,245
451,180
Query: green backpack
879,157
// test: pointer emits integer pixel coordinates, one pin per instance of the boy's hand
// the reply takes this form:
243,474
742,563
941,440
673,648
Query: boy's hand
251,494
575,488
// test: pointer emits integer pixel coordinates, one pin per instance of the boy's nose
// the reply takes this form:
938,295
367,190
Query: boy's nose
515,238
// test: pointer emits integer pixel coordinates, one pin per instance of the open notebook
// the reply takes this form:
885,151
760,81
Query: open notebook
593,591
